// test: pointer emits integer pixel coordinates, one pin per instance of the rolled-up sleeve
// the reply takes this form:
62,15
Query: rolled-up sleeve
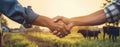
13,10
112,11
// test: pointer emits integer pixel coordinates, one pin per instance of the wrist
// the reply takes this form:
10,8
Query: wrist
52,26
71,25
74,23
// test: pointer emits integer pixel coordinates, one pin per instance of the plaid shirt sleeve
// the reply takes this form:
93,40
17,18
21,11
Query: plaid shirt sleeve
112,11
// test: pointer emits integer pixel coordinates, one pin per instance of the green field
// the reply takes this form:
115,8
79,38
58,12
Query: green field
46,39
17,40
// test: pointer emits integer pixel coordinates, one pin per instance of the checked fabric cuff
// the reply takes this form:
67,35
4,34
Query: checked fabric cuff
112,12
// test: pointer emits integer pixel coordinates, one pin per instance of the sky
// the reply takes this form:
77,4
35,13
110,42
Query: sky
66,8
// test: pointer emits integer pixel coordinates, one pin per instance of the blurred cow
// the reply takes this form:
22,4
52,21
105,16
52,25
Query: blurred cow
112,31
89,33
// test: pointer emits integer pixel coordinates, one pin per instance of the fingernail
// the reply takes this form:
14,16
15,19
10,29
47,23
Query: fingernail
55,32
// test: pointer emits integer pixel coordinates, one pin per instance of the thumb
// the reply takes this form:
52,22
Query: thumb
56,19
70,26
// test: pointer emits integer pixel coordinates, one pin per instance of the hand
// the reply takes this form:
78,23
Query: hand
69,24
63,19
60,30
63,22
56,28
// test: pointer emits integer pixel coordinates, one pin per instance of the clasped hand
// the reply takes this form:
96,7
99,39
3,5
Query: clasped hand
63,26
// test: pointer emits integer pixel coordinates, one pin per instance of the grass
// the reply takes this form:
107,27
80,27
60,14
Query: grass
75,40
72,40
18,40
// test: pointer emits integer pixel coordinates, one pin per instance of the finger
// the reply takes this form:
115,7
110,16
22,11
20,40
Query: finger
67,30
55,32
62,30
65,20
56,19
61,36
69,26
58,34
64,33
63,27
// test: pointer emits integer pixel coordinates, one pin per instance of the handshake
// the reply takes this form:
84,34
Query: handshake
62,26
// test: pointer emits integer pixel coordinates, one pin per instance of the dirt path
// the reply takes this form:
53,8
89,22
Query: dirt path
39,42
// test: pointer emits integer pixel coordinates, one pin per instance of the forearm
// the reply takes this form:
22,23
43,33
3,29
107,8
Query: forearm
43,21
92,19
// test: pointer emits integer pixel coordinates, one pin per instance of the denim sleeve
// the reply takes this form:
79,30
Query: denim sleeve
112,11
13,10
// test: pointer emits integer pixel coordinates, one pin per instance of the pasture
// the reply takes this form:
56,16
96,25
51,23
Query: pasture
46,39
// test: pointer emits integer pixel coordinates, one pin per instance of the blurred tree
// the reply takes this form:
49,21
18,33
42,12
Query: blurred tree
106,2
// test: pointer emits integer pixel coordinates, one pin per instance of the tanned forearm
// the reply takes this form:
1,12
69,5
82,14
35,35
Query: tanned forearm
95,18
44,21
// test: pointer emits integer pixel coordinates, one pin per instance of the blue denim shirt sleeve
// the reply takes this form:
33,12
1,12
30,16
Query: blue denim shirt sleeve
8,7
13,10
